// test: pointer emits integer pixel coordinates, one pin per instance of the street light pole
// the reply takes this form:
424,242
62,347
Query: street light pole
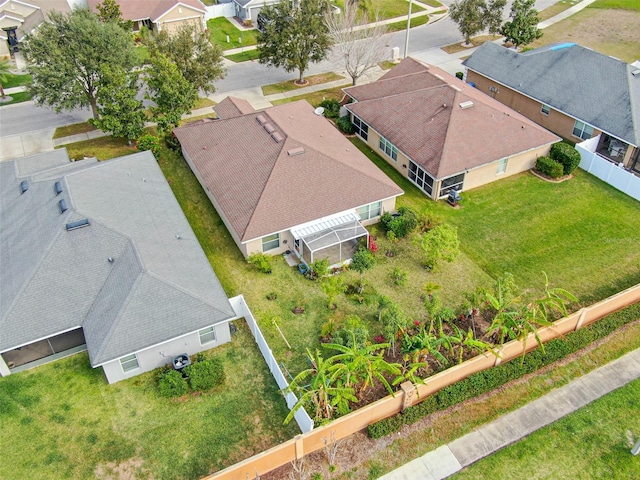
406,40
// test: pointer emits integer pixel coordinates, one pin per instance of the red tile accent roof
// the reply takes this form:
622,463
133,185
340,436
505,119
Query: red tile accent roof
261,189
152,9
419,112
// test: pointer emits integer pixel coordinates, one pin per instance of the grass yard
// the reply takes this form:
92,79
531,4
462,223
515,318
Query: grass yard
402,24
219,28
602,432
289,85
74,425
476,41
555,9
73,129
18,97
315,98
386,9
102,148
17,81
607,26
244,56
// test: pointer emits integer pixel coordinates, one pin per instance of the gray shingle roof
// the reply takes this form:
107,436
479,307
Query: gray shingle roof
595,88
157,288
261,189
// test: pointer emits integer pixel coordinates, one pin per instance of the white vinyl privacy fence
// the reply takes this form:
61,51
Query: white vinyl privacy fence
220,10
242,310
609,172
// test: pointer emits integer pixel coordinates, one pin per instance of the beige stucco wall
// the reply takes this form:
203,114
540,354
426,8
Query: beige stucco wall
160,355
178,17
515,164
401,165
254,246
557,122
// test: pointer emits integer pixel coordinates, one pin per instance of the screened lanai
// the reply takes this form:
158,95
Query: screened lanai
335,238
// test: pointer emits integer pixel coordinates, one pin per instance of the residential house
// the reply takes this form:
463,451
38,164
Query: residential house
160,15
441,133
571,90
285,179
20,17
100,257
248,10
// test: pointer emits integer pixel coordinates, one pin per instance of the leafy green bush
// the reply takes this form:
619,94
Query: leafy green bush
172,141
488,380
149,142
549,167
317,269
331,108
172,384
206,374
261,261
401,224
566,155
399,276
345,125
353,333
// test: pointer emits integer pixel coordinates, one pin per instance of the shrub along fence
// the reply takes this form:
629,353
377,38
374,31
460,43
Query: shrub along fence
402,401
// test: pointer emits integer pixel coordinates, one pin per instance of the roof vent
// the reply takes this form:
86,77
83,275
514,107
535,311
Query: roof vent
636,73
24,186
63,205
295,151
467,104
277,137
269,128
261,119
77,224
58,188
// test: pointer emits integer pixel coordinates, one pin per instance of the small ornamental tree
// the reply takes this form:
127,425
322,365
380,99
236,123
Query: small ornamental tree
522,29
566,155
362,261
439,243
475,16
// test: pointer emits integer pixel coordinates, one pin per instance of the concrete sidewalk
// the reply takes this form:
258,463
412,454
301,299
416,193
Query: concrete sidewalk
507,429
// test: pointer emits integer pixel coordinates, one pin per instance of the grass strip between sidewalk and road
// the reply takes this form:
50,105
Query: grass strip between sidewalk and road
244,56
289,85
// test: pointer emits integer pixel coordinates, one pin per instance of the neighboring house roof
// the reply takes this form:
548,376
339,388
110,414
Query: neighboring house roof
151,9
594,88
27,14
233,107
441,123
158,286
256,3
264,186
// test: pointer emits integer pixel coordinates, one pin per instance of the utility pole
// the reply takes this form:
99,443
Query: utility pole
406,41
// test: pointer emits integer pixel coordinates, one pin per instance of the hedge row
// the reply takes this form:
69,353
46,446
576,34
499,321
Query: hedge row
549,167
200,375
488,380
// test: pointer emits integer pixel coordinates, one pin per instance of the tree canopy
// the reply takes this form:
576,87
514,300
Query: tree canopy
294,35
475,16
522,29
109,11
67,57
197,59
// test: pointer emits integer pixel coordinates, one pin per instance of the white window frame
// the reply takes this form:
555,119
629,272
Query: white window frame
269,240
582,130
421,178
389,149
502,166
369,211
545,109
206,333
129,363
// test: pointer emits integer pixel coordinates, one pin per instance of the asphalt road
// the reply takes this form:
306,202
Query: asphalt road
23,118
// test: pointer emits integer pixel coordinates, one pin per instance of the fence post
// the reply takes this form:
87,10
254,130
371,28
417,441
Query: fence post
299,447
583,316
499,357
408,391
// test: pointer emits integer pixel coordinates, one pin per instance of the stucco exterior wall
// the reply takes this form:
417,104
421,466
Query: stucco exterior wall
160,355
515,164
557,122
401,165
172,26
256,245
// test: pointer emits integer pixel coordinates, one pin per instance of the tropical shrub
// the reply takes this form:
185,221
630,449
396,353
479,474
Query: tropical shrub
566,155
331,108
401,224
352,333
172,384
206,374
261,261
345,125
549,167
149,142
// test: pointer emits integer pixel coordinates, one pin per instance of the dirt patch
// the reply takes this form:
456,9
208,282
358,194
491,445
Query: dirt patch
128,470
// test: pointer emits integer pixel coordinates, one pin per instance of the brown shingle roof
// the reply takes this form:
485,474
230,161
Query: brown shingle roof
261,188
232,107
420,113
152,9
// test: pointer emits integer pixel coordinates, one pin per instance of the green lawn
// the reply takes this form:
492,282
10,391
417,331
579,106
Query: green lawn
73,129
220,27
74,425
18,97
17,81
386,8
290,85
592,443
315,98
402,25
244,56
